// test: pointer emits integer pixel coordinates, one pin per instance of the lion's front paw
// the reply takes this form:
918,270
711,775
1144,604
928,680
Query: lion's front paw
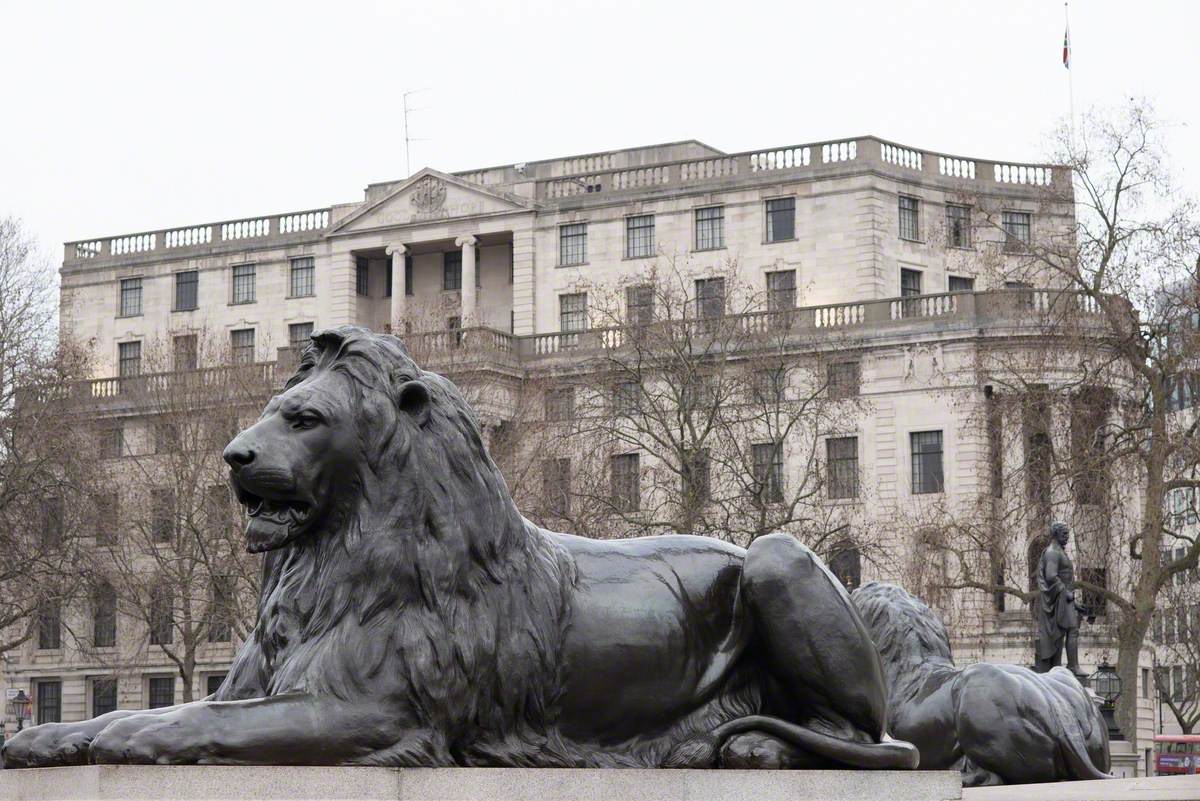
146,740
47,745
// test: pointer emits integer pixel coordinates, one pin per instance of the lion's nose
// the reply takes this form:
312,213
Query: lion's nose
238,454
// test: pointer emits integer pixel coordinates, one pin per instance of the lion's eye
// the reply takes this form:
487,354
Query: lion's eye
302,422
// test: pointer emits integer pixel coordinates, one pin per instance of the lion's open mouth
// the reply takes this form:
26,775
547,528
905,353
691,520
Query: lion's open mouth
273,522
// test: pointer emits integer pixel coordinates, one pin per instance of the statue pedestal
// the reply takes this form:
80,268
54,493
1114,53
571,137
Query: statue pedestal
473,784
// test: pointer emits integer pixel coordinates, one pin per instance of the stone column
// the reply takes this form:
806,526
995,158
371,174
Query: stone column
467,243
399,290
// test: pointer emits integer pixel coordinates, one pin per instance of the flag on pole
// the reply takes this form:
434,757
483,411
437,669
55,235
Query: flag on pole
1067,47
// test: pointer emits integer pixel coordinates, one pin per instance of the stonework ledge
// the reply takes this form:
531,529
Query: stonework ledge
472,784
1145,788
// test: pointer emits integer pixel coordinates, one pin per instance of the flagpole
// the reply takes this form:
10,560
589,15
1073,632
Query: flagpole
1070,78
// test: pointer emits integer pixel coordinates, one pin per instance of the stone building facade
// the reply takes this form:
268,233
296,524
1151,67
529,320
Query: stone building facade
908,258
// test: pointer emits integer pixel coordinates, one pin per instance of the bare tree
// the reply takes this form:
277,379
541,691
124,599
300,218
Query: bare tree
1177,630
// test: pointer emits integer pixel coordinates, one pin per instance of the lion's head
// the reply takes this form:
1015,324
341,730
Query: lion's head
334,444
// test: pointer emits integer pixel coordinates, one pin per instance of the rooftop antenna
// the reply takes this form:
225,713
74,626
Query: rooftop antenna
409,139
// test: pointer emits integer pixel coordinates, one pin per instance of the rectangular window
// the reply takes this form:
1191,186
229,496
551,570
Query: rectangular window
910,223
572,244
162,616
185,349
362,276
104,696
131,297
556,486
299,335
302,277
243,282
710,298
112,442
710,228
958,226
768,471
49,701
104,616
1095,604
841,456
768,385
639,236
572,312
626,398
696,485
49,625
1017,230
213,683
781,291
995,438
781,219
560,404
626,478
129,359
187,286
452,270
910,283
958,283
52,525
844,379
220,610
162,691
926,462
162,515
107,509
241,342
639,304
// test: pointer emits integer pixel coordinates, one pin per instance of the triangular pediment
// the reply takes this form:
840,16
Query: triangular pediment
429,196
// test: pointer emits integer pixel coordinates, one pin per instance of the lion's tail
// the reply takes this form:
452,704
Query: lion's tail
1073,740
887,755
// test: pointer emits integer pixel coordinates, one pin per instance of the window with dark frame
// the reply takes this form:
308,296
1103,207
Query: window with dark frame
781,291
572,244
710,298
626,398
639,236
49,619
214,682
958,226
959,283
299,335
1018,227
104,695
52,524
49,701
572,316
131,297
162,616
927,477
129,359
162,515
187,286
104,615
452,270
362,276
241,341
243,283
166,437
695,478
302,277
560,404
843,380
556,486
710,228
185,352
107,506
626,481
639,304
161,691
781,219
112,441
910,222
768,471
845,562
220,609
769,384
841,458
910,282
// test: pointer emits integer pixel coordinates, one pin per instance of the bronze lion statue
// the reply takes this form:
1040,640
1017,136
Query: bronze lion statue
410,616
999,724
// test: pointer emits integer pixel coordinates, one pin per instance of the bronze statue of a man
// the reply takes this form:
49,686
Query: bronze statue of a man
1057,610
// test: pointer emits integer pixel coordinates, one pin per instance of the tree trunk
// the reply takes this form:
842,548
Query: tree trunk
1130,636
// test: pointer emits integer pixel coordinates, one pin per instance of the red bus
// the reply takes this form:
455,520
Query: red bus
1176,753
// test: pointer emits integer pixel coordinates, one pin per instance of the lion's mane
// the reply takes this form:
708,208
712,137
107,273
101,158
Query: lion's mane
430,581
906,631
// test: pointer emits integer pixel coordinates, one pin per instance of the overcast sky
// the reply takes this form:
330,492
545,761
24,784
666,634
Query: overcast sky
125,117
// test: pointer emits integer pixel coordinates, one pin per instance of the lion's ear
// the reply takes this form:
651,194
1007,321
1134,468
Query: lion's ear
414,401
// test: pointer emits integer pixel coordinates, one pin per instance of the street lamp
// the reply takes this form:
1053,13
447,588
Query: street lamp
1107,685
21,706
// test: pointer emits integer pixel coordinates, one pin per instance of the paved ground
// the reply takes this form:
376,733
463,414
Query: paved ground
1156,788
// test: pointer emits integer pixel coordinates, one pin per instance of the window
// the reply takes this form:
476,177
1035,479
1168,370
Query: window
768,385
845,562
104,616
560,404
362,276
52,524
162,616
841,457
186,352
162,515
129,359
49,701
49,625
781,291
452,270
161,691
926,462
241,341
572,244
299,335
695,476
910,282
710,228
220,609
910,227
187,285
768,471
107,507
112,442
958,283
995,438
213,683
104,696
625,475
1039,451
843,379
781,219
626,398
639,304
958,226
556,486
710,298
1095,604
639,236
1089,430
166,437
1145,682
243,283
302,278
131,297
572,312
1017,230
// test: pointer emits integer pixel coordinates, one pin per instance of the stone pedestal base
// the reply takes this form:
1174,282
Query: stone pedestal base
472,784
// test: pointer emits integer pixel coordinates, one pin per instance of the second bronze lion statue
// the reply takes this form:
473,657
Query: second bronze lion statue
997,723
410,616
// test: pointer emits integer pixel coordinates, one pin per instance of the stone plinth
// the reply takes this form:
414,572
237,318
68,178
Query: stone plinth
1152,788
472,784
